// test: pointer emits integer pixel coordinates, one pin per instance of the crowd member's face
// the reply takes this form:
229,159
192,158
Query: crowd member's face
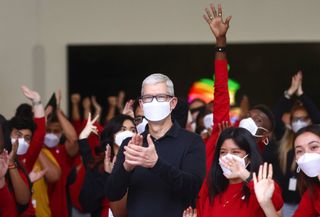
261,120
128,125
24,133
54,128
138,115
230,147
300,114
306,143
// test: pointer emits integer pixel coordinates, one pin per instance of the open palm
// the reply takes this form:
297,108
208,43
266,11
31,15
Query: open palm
264,184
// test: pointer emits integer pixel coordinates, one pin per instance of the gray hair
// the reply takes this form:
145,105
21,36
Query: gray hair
157,78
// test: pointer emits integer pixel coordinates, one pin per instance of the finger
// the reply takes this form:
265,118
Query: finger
265,170
130,156
108,153
149,140
227,21
213,9
260,173
206,18
220,127
209,14
114,159
219,10
134,152
254,178
136,148
270,171
95,119
133,162
89,118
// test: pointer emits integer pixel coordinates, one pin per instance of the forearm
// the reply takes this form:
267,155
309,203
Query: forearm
75,113
119,208
38,109
85,152
221,42
269,209
20,188
70,133
86,112
2,182
53,172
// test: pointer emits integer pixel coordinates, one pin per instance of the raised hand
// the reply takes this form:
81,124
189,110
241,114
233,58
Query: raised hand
121,96
58,98
96,105
237,169
128,110
108,163
86,103
137,155
264,184
35,176
112,100
14,149
223,125
299,91
4,163
89,128
218,27
189,212
295,82
75,98
31,94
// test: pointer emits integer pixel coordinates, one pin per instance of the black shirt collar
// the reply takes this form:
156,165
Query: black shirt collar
172,132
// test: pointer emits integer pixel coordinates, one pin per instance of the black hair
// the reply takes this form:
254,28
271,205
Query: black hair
111,128
217,182
5,141
21,123
24,110
305,182
266,110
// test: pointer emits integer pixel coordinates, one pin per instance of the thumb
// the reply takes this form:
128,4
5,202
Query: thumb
149,140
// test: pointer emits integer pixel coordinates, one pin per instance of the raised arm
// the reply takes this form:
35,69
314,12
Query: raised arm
75,101
71,143
53,171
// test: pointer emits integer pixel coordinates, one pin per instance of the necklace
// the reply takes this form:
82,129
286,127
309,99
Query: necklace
232,198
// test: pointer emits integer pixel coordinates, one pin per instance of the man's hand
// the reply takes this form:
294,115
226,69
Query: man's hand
218,27
137,155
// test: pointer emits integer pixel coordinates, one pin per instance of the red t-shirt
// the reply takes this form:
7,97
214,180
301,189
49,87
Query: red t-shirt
57,191
7,203
231,203
310,204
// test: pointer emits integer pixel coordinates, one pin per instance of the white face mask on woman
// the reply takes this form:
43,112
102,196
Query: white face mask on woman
51,140
142,126
250,125
309,163
120,136
22,147
299,124
227,171
156,111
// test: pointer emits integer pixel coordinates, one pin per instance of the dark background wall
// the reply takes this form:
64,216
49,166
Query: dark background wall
263,70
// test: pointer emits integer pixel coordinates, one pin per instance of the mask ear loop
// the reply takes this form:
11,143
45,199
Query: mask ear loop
266,141
298,169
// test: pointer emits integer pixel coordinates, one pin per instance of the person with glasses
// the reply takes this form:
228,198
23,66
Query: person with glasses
163,168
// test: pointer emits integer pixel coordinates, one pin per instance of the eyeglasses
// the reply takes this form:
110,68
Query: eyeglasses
294,119
138,120
159,98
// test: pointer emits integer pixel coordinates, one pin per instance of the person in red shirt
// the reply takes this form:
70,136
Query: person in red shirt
307,154
58,125
230,188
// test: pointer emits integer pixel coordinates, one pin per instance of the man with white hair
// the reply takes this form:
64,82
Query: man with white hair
163,168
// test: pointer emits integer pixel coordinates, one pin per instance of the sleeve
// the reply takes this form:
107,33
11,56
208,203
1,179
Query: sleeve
92,194
187,180
221,106
36,143
78,126
7,203
306,206
311,108
85,152
277,197
280,108
118,182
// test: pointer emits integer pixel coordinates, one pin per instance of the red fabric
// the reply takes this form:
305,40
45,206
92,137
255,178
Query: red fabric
7,203
57,191
310,204
221,105
93,141
36,144
231,204
105,208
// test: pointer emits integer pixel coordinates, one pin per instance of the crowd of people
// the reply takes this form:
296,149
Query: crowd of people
158,155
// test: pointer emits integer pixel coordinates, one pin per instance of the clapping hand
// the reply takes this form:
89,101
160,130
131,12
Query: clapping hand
31,94
36,175
189,212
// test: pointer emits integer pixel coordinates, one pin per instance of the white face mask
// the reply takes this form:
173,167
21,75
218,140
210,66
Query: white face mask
309,163
250,125
208,121
227,171
156,111
297,125
22,147
51,140
142,126
120,136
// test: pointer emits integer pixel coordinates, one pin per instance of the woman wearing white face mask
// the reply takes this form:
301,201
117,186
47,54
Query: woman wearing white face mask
307,156
231,191
92,197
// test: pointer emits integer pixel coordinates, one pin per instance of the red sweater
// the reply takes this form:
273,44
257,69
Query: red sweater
310,204
221,109
231,203
7,203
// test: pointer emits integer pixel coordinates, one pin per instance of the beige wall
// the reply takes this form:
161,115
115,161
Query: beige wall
38,31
